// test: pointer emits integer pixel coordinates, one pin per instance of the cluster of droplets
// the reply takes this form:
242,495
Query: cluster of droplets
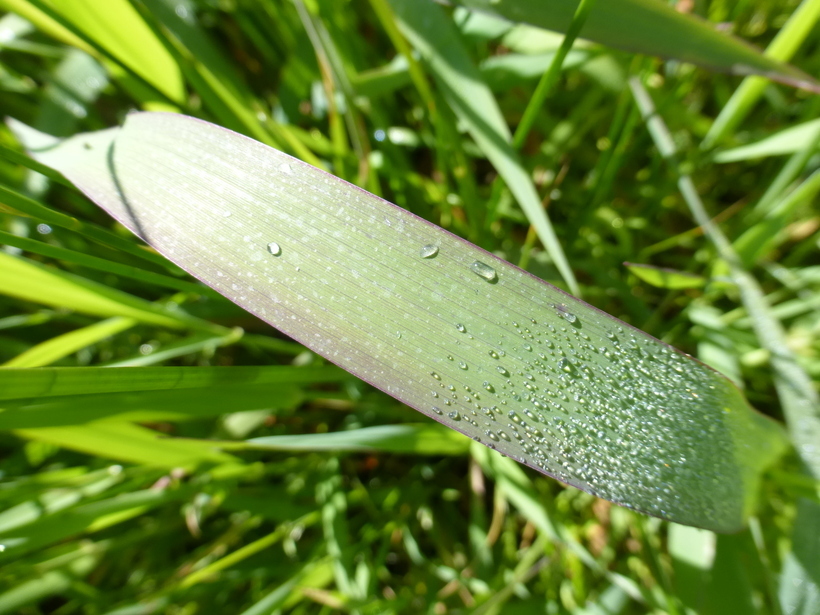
614,412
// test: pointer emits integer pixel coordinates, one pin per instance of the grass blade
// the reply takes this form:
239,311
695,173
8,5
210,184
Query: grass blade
434,321
423,439
783,47
30,281
63,345
66,381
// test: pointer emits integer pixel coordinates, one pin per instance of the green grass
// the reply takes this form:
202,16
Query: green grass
327,495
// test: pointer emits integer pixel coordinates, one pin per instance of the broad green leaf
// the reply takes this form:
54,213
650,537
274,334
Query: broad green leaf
666,278
447,328
651,27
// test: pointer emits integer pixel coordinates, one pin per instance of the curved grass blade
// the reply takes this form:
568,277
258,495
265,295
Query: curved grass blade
449,329
654,28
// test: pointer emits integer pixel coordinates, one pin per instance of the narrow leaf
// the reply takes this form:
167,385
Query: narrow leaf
132,443
787,141
445,327
62,381
31,281
424,439
61,346
663,277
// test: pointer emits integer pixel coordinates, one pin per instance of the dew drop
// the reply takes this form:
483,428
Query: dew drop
493,354
461,328
454,415
492,436
226,214
435,375
428,251
483,270
437,410
286,168
462,365
569,316
502,371
274,248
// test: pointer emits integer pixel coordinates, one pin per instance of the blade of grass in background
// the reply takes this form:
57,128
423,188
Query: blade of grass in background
653,28
101,264
61,346
415,310
30,281
56,381
434,36
787,141
421,439
119,34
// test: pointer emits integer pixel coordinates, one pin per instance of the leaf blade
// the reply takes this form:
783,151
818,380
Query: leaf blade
460,335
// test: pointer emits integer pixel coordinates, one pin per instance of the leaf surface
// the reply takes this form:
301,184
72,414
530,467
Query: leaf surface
447,328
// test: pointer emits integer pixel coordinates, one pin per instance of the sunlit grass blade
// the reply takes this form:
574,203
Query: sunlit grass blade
663,277
422,439
123,441
787,141
30,281
782,48
434,321
28,162
101,264
61,346
147,406
653,28
118,33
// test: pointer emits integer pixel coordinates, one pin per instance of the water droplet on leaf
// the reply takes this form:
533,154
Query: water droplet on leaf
274,248
428,251
483,270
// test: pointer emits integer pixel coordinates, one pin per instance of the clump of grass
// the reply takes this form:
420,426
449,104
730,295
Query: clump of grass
175,524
